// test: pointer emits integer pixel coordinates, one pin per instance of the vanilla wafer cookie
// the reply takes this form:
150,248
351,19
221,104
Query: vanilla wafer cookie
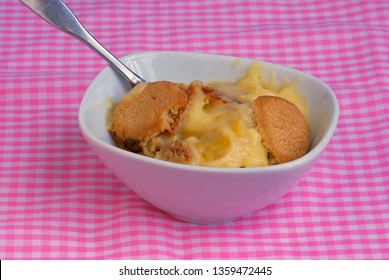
283,128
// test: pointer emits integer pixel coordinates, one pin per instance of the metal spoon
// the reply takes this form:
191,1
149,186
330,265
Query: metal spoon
60,16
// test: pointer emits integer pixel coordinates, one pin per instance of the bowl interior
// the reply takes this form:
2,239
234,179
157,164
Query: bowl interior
108,87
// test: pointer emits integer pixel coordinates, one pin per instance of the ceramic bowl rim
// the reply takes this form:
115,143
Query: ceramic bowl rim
307,158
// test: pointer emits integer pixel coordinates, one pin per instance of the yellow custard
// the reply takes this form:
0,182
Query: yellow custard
221,134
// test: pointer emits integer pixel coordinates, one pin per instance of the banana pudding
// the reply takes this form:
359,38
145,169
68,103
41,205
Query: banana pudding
256,121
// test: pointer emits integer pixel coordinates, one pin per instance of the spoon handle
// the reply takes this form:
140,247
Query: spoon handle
56,13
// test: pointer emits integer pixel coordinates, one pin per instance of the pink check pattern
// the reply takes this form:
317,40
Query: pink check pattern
58,201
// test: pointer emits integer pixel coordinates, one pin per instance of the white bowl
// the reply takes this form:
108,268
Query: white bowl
203,195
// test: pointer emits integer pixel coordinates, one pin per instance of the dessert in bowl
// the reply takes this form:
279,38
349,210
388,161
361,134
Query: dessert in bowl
253,122
203,194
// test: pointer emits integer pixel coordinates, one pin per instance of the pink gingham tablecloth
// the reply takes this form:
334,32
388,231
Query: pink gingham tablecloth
58,201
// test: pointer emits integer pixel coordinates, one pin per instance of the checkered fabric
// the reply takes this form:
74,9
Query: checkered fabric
58,201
